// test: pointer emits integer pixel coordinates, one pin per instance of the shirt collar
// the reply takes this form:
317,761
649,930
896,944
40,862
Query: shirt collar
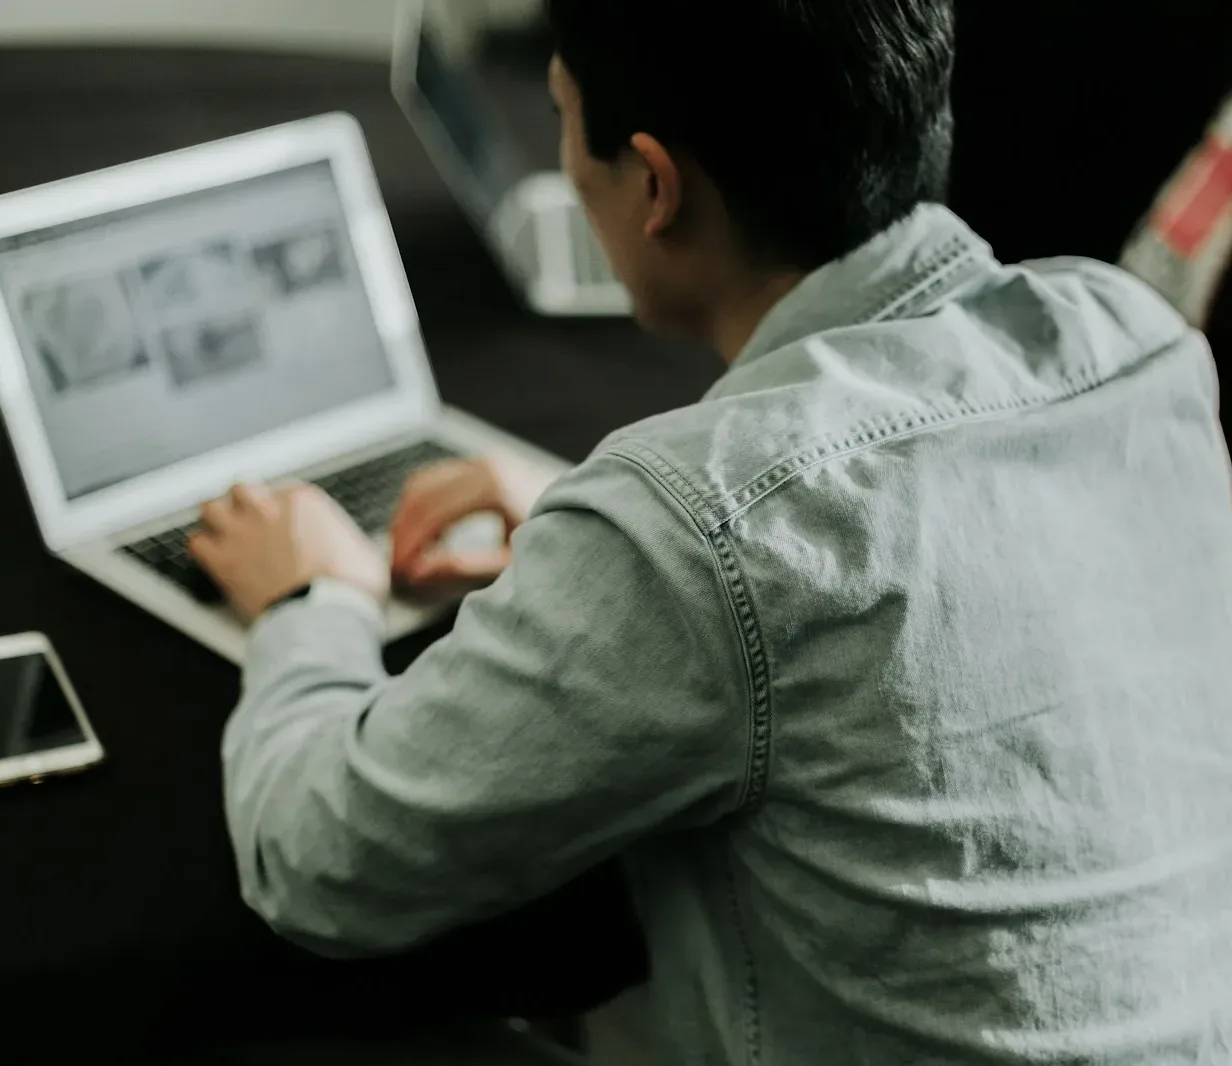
915,262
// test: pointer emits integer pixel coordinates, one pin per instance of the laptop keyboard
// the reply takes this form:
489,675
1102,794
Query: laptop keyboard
369,493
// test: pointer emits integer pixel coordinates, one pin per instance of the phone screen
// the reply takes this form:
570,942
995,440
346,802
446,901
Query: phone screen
35,715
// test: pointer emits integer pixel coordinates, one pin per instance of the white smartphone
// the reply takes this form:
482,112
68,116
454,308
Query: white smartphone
43,728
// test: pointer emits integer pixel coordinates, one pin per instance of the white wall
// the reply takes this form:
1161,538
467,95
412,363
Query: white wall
343,27
339,26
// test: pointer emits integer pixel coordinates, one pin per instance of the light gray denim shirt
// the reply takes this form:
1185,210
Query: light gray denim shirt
899,669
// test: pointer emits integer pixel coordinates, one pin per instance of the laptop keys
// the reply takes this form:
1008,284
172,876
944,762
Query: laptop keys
200,586
369,493
167,553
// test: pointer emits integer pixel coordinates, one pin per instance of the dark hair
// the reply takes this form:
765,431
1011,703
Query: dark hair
821,122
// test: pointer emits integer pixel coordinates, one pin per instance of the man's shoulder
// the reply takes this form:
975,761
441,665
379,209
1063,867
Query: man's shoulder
1025,336
708,460
1113,297
649,465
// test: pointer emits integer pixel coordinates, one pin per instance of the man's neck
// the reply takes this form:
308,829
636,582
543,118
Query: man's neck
736,320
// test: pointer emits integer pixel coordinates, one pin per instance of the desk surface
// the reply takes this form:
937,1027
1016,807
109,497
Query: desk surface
431,1045
127,871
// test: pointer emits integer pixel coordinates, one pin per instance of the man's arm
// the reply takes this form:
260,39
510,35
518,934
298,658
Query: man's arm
594,695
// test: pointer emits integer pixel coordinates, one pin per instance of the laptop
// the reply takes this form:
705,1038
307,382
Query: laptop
232,312
533,222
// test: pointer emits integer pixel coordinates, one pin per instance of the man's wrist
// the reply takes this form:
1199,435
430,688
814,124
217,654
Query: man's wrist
295,595
330,591
336,624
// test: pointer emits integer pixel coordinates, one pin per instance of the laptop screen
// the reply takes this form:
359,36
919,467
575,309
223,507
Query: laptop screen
164,332
482,147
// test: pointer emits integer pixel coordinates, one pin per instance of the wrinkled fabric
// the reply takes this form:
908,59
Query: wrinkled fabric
898,669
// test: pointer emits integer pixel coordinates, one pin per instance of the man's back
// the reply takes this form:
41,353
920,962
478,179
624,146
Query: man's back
898,668
976,539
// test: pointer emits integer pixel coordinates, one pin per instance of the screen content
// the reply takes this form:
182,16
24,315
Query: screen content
35,715
478,140
161,333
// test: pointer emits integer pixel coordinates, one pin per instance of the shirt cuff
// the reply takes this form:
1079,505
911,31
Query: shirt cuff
336,623
328,591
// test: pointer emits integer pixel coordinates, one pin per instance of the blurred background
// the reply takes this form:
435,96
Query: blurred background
1084,106
1072,113
86,84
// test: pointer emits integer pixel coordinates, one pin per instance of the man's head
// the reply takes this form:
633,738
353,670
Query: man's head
718,144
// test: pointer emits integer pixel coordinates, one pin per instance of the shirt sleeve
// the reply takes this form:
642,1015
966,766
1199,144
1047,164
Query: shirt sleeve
596,694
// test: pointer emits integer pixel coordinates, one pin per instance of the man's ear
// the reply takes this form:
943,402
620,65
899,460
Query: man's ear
663,184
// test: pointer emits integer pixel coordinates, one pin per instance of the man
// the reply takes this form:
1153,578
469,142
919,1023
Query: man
897,668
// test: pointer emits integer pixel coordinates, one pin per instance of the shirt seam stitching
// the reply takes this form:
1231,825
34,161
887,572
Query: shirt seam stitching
691,498
752,987
741,613
948,258
941,269
757,667
884,431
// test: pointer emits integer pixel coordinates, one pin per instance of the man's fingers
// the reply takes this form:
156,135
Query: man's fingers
255,497
204,548
430,508
216,514
442,567
415,532
425,483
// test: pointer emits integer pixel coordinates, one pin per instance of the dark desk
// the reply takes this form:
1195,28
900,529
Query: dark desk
117,892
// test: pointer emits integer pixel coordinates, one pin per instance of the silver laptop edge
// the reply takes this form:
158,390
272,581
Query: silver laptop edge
88,496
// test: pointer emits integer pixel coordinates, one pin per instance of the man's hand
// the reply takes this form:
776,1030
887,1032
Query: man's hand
260,545
438,497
